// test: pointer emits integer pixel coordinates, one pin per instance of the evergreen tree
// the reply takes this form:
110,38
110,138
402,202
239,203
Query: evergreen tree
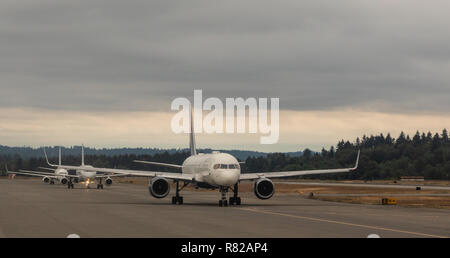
416,139
444,136
401,139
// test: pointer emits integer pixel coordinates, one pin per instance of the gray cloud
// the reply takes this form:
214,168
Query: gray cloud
139,55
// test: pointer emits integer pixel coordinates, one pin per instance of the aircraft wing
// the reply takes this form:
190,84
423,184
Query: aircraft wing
37,172
109,175
27,173
158,163
51,169
127,172
52,175
279,174
30,174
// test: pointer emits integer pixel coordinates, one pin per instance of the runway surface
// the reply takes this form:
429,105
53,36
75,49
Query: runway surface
30,208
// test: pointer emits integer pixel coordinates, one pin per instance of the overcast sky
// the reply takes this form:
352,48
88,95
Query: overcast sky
102,58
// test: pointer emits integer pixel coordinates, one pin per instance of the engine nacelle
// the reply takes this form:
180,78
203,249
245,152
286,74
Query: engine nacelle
159,187
46,179
108,181
64,181
264,188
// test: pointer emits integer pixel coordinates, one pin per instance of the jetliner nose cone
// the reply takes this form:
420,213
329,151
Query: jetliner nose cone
227,177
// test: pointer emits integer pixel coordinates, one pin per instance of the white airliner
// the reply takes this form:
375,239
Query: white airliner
59,174
214,170
86,173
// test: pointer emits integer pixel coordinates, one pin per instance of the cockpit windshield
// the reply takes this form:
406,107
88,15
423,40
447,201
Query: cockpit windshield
226,166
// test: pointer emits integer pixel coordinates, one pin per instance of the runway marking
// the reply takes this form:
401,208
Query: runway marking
343,223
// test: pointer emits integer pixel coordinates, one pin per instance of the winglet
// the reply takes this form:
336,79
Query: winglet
357,161
46,158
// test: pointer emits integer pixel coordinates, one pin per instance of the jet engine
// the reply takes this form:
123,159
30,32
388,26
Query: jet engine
159,187
264,188
64,180
108,181
46,180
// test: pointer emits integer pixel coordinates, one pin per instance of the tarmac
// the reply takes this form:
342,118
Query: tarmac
30,208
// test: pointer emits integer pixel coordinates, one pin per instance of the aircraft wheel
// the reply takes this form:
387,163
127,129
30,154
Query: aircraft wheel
232,200
180,200
238,200
174,200
220,203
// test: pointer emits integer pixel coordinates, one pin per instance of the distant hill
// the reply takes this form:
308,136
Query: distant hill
29,152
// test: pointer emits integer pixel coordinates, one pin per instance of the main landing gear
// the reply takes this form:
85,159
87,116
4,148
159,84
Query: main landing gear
177,198
235,200
70,184
100,185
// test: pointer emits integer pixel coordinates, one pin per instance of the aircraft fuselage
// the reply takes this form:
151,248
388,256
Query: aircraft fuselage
215,169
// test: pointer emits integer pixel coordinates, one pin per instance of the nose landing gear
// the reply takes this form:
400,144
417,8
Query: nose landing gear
234,200
223,201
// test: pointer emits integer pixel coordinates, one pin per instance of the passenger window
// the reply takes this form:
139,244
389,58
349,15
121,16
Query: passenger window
223,166
231,166
216,166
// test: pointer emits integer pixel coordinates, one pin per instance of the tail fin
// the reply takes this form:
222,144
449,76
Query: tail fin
59,156
192,136
82,155
46,158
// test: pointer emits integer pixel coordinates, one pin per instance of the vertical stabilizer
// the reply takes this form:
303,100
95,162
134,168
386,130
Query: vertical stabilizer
59,163
192,136
82,155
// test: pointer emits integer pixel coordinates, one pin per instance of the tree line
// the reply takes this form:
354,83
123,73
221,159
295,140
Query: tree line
382,157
